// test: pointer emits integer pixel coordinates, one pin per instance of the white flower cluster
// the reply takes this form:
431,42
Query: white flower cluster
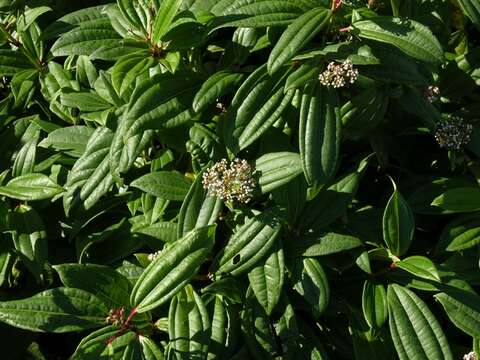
234,182
432,93
338,75
470,356
453,133
154,255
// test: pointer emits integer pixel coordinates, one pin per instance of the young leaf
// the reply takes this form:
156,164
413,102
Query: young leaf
415,331
420,266
166,13
398,224
374,304
56,310
277,169
471,8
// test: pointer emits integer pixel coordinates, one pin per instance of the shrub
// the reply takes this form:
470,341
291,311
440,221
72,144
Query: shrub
240,179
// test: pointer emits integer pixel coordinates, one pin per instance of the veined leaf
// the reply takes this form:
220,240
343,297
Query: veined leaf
471,8
266,279
462,199
374,304
415,331
420,266
463,309
249,244
172,270
56,310
277,169
31,187
12,62
398,224
169,185
74,139
166,13
319,136
296,36
188,325
106,283
413,38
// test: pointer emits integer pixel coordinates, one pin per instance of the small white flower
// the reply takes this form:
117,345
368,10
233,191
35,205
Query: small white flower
470,356
453,133
230,182
432,93
338,75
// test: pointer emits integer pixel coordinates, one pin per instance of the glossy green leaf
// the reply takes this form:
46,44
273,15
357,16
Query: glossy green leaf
266,279
462,199
374,304
277,169
319,135
169,185
296,36
31,187
471,8
107,284
198,209
188,325
460,234
56,310
311,282
411,37
225,329
326,244
172,270
73,139
248,245
219,84
463,309
30,238
415,331
12,62
420,266
398,224
166,13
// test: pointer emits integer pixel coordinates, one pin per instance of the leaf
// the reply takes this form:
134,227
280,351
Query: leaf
107,284
411,37
85,39
169,185
415,331
471,8
219,84
398,224
198,209
277,169
83,100
31,187
463,310
326,244
420,266
128,68
57,310
166,13
188,325
72,138
150,349
248,245
172,270
374,304
461,199
266,279
89,178
225,329
460,234
12,62
30,238
310,281
296,36
319,136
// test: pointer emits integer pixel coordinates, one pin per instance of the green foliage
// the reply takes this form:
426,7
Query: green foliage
202,179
